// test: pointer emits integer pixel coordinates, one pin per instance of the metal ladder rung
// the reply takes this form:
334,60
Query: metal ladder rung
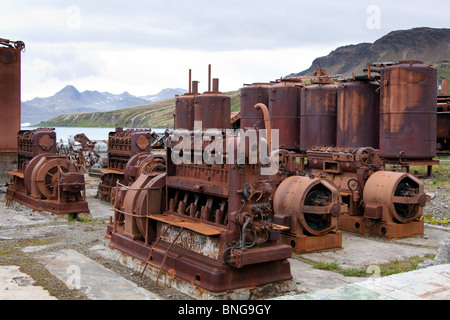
147,262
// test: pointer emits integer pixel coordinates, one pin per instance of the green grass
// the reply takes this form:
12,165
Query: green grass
392,267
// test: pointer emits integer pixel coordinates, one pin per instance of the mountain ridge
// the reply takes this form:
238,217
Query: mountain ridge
430,45
70,100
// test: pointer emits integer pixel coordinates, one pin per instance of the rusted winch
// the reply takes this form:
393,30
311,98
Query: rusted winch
380,202
122,145
44,180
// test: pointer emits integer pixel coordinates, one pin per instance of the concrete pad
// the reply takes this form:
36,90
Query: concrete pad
359,252
15,285
32,233
310,279
91,278
99,209
432,283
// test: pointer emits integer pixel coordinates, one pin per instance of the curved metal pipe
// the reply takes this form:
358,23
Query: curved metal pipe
266,115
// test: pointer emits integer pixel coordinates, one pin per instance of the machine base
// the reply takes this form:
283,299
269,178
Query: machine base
47,205
313,243
360,224
198,270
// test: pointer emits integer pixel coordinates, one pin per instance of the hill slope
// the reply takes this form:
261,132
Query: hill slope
155,115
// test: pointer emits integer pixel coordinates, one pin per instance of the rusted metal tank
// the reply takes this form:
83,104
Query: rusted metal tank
10,81
184,107
213,109
284,110
250,96
318,112
358,114
408,111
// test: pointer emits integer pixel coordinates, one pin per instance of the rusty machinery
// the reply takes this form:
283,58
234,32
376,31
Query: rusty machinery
209,224
443,120
351,131
44,180
380,202
124,145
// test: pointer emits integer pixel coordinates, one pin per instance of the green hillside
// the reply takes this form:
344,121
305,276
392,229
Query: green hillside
156,115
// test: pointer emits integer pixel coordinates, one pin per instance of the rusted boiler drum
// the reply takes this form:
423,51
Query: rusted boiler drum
10,79
318,111
284,110
408,111
358,114
184,109
250,96
213,109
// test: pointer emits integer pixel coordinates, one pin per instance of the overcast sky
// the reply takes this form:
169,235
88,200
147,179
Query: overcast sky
145,46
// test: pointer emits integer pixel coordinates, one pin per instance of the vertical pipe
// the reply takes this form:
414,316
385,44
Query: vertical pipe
444,86
195,87
190,79
215,85
209,78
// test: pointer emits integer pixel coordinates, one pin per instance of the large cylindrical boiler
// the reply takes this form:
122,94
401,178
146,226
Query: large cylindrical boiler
318,109
250,96
213,109
284,110
358,114
408,111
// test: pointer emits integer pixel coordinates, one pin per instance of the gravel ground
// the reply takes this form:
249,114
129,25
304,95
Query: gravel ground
21,242
44,234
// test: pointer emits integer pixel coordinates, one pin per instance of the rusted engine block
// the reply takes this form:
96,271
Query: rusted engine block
122,145
207,224
44,180
380,202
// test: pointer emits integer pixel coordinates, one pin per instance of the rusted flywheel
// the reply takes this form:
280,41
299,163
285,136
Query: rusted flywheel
148,163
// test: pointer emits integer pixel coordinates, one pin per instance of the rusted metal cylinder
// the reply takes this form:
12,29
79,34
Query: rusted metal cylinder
408,111
312,205
400,195
250,96
358,114
10,79
184,112
284,110
318,112
213,109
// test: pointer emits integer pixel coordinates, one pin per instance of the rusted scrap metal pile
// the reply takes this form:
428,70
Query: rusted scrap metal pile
228,223
44,180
